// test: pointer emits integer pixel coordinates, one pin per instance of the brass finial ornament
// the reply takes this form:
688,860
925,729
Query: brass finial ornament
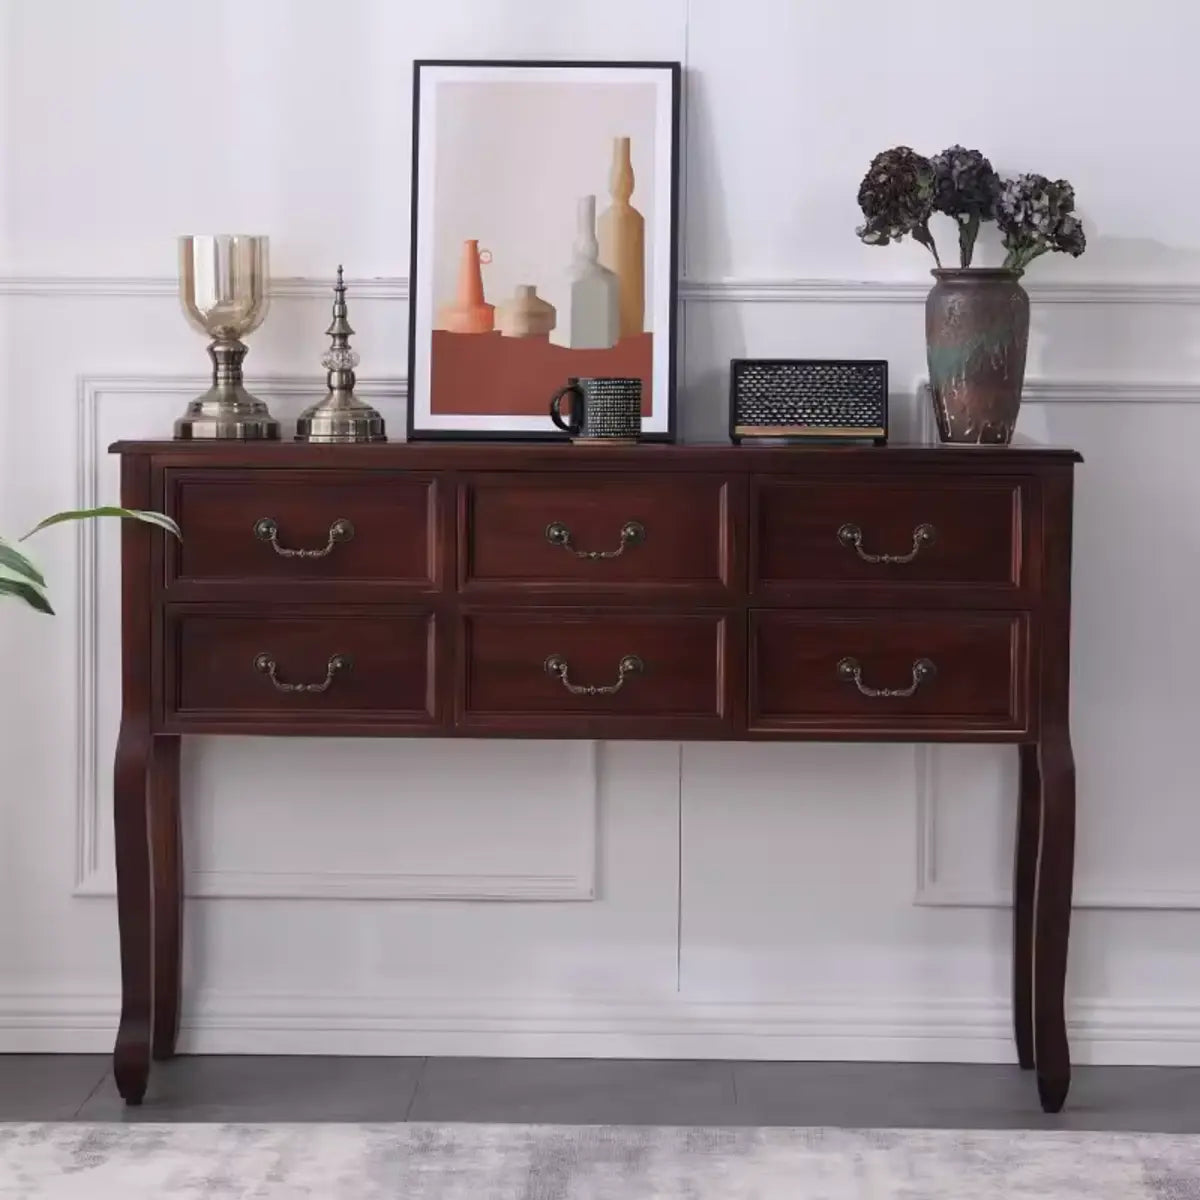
340,416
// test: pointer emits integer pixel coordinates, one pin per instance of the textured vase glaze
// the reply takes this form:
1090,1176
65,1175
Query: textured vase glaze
976,336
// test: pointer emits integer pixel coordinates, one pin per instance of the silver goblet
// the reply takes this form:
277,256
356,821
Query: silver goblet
223,280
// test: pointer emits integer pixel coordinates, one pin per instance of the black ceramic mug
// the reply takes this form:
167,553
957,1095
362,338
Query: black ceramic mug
601,408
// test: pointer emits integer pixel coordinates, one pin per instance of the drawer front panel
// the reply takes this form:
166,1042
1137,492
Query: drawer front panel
888,672
570,665
301,527
303,669
887,533
595,531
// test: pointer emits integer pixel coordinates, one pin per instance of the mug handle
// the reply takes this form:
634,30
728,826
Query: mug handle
574,423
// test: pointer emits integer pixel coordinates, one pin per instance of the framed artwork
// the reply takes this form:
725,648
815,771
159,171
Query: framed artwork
544,212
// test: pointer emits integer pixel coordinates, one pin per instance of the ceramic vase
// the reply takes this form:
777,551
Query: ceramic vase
526,314
622,238
976,336
469,313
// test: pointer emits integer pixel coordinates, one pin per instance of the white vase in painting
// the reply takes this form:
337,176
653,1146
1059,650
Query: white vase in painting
592,320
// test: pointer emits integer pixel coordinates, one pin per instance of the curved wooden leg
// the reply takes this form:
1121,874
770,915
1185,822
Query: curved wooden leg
166,868
131,1055
1029,801
1052,917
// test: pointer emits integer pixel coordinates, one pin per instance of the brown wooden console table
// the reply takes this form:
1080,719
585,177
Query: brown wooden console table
685,592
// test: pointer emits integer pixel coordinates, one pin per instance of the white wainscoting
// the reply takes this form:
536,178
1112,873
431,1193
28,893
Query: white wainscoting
932,892
686,1023
933,889
717,899
571,866
832,1028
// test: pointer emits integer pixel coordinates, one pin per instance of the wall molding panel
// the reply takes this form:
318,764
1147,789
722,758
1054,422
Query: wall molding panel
733,290
93,874
117,287
93,870
931,892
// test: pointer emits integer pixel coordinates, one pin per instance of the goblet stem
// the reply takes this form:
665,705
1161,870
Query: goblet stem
227,356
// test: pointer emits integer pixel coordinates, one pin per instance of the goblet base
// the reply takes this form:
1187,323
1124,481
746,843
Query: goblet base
227,411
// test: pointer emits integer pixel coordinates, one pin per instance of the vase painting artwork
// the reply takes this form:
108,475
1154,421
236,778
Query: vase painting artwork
543,241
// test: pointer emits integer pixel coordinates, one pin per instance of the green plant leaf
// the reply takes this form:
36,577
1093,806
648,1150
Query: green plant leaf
15,561
85,514
30,593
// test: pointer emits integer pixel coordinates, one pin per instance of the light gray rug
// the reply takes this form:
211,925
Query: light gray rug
549,1162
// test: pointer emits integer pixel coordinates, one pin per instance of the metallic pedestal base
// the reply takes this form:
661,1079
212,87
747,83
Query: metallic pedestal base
227,410
340,417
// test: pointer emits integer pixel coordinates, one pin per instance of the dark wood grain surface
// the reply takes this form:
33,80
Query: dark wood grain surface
976,685
386,672
681,541
682,677
973,527
741,599
389,519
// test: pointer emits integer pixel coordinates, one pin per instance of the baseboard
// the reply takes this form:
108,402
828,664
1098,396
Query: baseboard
828,1028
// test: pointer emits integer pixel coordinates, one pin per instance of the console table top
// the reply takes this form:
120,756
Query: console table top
485,455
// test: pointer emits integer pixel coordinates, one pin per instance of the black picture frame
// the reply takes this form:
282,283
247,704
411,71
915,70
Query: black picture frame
674,71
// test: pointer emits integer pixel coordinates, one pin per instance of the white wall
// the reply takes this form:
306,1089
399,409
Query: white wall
629,898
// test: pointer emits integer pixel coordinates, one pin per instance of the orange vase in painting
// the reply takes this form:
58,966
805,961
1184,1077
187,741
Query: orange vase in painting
469,313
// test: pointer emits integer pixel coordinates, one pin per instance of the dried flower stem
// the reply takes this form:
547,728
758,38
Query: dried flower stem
921,234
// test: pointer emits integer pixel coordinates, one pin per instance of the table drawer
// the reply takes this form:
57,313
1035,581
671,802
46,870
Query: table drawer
570,665
889,533
894,672
589,531
301,527
302,669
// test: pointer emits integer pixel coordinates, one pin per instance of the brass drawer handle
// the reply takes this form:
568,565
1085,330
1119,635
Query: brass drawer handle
633,533
850,670
267,530
852,535
556,666
338,663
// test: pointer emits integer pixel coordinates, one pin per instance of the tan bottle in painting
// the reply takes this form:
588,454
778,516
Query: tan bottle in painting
526,314
621,233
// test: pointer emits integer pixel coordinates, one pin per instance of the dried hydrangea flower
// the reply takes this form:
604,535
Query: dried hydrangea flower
1036,215
1070,237
896,198
965,188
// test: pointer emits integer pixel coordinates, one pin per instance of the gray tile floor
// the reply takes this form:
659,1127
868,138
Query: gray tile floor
601,1091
